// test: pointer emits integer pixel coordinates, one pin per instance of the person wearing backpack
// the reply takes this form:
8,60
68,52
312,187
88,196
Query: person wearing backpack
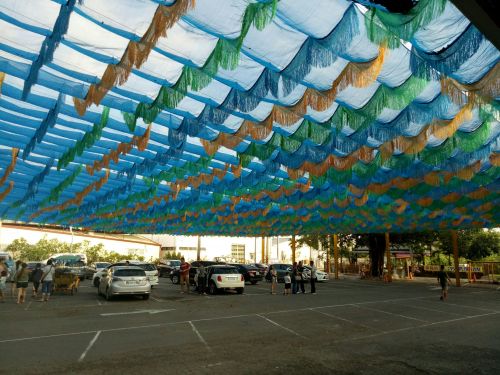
47,278
36,276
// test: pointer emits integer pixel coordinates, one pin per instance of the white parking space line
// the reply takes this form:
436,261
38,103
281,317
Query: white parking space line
394,314
416,327
91,343
435,310
200,337
27,307
345,320
471,307
279,325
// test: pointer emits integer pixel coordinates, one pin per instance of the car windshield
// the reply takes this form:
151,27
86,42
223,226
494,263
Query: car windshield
147,267
175,263
129,272
225,270
101,265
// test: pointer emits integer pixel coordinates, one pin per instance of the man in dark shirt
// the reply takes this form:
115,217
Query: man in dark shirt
443,280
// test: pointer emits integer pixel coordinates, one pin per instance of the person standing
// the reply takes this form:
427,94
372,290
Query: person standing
313,277
36,276
443,280
202,278
12,278
47,278
3,280
22,277
288,284
184,274
274,279
300,277
293,278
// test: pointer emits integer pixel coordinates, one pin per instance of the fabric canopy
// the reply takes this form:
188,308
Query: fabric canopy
247,117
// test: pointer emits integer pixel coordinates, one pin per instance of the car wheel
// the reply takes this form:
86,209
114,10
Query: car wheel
175,279
96,282
240,290
253,282
212,288
145,296
108,295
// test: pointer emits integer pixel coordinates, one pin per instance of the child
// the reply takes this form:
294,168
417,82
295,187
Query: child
3,280
288,283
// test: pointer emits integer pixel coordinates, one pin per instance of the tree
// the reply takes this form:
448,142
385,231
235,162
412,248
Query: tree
20,248
172,255
483,244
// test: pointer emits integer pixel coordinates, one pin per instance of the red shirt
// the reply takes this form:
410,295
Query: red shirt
185,266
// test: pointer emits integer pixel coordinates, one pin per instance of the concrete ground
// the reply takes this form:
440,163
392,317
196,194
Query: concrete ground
350,326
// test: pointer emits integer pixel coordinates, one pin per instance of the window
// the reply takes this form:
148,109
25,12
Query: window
238,252
129,272
187,248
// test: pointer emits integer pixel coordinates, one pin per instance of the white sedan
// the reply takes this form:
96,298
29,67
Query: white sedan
121,280
222,277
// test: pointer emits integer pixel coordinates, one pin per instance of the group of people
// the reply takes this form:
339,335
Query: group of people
19,276
294,280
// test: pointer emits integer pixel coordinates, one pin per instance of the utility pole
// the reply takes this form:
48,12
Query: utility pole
454,240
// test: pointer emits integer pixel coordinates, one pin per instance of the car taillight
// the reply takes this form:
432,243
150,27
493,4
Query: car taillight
219,278
242,278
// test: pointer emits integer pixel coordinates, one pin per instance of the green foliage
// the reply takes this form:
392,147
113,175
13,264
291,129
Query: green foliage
172,255
44,249
482,245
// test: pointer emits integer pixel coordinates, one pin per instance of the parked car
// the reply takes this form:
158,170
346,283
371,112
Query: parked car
119,280
250,273
149,268
94,267
224,277
320,275
262,267
175,274
165,267
281,270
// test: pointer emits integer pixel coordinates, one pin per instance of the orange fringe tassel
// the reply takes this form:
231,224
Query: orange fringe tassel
135,54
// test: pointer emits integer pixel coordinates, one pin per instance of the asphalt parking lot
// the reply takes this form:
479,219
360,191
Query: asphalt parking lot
350,326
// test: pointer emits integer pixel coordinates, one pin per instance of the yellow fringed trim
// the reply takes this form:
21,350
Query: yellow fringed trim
480,193
141,142
495,159
443,132
12,165
135,54
2,77
485,90
77,200
6,192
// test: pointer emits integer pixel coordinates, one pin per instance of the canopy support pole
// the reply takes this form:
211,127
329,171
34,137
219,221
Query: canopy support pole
388,257
262,250
454,240
336,255
293,248
198,249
